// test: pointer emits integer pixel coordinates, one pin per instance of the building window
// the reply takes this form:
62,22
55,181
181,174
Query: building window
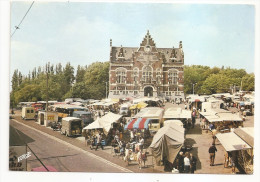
121,75
158,76
136,75
147,74
173,76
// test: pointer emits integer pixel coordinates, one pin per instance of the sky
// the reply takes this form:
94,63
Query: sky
80,32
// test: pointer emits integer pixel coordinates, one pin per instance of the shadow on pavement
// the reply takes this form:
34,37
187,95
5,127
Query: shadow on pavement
189,141
194,152
18,138
196,130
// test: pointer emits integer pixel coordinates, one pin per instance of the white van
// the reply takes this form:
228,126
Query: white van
28,113
124,110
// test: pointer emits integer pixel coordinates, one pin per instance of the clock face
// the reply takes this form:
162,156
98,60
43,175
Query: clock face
147,49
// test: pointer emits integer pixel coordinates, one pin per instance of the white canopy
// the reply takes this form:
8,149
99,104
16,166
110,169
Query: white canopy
108,119
177,122
95,125
177,113
104,122
217,115
232,142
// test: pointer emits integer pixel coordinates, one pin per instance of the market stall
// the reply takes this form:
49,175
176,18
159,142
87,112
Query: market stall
167,142
246,157
221,120
104,122
239,144
138,123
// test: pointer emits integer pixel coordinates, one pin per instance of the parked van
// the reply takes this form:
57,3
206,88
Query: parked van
124,110
85,116
28,113
71,126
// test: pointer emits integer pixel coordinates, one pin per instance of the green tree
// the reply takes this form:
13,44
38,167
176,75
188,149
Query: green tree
80,74
96,76
248,82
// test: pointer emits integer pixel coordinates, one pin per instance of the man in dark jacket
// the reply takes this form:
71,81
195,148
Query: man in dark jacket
193,162
180,162
212,151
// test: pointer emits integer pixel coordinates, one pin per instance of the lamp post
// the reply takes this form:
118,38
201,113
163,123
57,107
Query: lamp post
193,87
106,90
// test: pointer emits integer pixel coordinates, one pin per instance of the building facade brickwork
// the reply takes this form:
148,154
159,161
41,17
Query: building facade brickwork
146,71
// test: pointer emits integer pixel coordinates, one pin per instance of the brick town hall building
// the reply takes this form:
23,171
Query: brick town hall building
146,71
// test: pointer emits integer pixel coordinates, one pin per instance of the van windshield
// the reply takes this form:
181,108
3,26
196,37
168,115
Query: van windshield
85,116
154,121
76,125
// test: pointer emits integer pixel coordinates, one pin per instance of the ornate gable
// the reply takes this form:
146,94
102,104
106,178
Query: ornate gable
147,45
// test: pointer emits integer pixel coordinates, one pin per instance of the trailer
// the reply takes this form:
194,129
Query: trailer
47,118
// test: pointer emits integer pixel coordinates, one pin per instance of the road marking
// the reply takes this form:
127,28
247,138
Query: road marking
77,148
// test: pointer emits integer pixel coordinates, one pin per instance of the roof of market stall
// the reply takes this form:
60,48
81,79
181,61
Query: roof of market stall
231,142
138,123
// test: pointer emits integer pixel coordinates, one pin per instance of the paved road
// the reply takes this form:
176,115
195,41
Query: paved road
62,155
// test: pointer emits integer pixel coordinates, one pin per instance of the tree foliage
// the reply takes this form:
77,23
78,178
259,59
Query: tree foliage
90,81
208,80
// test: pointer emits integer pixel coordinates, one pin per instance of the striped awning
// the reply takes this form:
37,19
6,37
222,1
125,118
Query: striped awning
137,123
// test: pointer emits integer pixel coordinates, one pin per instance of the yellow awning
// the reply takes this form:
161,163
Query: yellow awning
141,105
133,106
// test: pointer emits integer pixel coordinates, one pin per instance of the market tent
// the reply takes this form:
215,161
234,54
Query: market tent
232,142
177,122
104,122
167,142
137,123
95,125
107,120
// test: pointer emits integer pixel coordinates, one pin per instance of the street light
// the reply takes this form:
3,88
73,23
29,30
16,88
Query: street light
193,87
106,90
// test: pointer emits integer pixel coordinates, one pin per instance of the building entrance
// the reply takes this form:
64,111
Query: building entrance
148,91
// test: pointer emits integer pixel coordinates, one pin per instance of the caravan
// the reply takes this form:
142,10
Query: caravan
28,113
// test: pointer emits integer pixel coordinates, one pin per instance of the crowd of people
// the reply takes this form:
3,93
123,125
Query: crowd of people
186,163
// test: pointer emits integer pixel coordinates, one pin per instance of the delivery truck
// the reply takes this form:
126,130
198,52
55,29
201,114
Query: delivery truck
71,126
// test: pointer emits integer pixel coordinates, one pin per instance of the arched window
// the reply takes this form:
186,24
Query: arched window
120,75
147,74
173,76
136,75
158,75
